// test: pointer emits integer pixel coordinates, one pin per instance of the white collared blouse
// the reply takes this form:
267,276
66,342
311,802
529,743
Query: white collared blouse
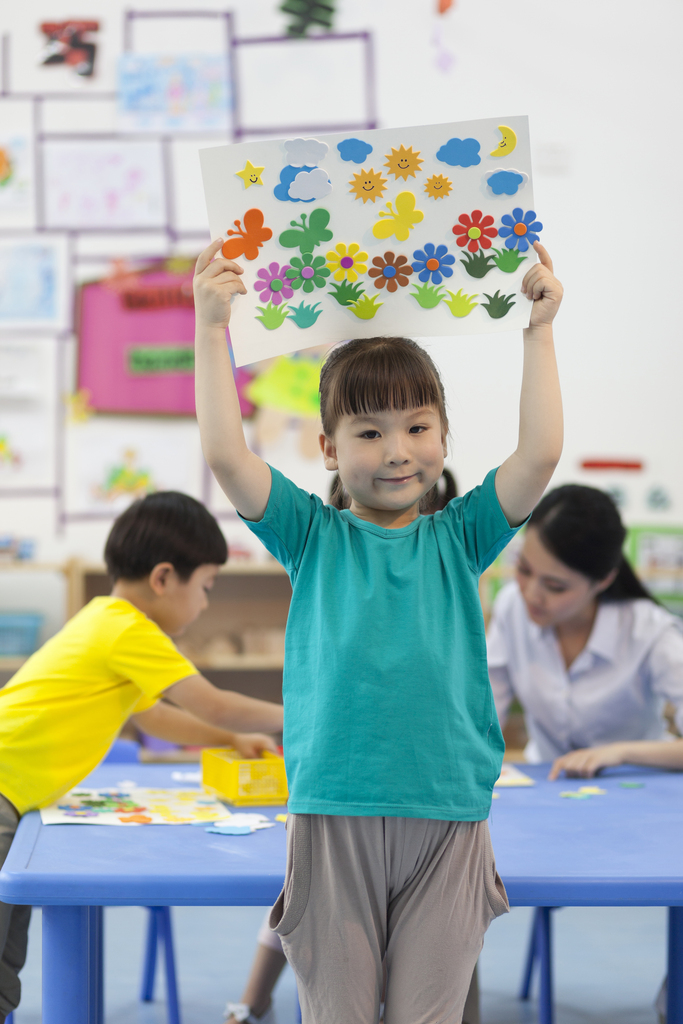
614,690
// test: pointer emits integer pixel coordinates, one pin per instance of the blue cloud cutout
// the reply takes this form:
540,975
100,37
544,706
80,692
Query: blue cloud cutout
287,176
505,182
354,149
460,153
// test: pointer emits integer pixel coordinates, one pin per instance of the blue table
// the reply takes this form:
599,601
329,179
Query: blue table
625,848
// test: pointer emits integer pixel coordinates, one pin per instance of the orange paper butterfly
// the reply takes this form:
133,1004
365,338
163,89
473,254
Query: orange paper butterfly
250,240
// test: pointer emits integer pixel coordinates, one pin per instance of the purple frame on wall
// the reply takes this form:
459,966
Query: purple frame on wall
239,131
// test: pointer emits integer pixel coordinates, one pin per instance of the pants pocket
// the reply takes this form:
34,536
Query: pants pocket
292,902
493,883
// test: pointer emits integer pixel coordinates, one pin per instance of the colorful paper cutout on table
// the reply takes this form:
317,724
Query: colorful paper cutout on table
507,143
249,240
354,150
505,182
399,222
460,153
511,776
250,175
390,270
521,229
403,163
306,236
438,186
368,185
133,806
323,274
474,231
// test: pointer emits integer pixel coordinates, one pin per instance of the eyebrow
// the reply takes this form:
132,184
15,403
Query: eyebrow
371,416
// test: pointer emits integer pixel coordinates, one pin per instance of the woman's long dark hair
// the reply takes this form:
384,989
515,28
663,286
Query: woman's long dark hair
581,527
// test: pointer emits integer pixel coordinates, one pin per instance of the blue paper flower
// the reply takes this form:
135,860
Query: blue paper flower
520,230
433,261
354,149
460,153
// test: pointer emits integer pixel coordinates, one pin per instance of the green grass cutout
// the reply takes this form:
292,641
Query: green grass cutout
273,316
477,265
461,305
508,260
366,307
498,305
346,293
427,295
304,316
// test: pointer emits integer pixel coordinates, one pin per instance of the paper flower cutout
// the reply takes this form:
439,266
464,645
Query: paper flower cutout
433,262
521,230
403,163
302,184
474,231
308,273
250,175
305,151
273,285
347,262
460,153
438,187
506,183
390,270
354,150
368,185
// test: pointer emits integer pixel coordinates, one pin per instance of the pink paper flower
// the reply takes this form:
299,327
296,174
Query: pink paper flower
273,285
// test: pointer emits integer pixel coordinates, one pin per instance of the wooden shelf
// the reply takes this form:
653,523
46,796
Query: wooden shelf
28,566
243,662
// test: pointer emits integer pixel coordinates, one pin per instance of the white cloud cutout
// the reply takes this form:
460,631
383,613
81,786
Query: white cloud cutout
310,185
305,151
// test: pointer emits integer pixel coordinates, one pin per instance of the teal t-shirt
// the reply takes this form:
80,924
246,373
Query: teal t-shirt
388,706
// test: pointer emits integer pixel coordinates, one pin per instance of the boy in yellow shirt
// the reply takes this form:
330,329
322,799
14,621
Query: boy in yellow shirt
63,709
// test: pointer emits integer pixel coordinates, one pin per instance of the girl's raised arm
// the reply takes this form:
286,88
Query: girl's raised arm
243,476
523,477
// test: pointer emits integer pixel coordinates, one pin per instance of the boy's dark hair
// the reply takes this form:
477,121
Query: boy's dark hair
581,527
164,527
375,374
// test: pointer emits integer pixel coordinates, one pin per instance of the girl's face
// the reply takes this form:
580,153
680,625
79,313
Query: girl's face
553,593
387,460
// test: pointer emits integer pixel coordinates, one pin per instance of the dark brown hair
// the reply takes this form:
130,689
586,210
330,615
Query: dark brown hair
164,527
376,374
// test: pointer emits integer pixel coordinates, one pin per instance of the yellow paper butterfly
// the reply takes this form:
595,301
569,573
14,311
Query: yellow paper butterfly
399,222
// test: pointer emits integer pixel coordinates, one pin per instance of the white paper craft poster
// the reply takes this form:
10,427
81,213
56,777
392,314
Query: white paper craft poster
34,289
424,231
101,184
176,92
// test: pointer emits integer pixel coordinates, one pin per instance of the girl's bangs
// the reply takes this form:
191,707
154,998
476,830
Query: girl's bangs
382,378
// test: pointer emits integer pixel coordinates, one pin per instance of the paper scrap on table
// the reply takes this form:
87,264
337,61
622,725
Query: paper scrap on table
186,776
510,775
426,231
632,785
133,806
241,824
583,793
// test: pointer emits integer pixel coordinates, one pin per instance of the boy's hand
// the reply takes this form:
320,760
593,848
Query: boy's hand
215,283
252,744
583,764
543,288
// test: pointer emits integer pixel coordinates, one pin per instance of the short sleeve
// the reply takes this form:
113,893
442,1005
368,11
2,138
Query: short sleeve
286,524
145,656
480,524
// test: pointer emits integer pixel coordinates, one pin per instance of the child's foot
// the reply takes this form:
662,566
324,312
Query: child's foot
240,1013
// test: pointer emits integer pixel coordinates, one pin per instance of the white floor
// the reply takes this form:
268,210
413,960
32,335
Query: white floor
609,965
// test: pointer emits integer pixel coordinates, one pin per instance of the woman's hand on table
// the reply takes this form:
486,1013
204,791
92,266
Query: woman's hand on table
584,764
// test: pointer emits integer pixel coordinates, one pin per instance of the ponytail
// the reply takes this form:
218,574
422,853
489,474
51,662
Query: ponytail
626,586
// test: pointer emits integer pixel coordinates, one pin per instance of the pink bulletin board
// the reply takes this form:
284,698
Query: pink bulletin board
136,342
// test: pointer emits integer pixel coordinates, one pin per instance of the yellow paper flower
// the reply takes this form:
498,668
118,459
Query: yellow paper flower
347,262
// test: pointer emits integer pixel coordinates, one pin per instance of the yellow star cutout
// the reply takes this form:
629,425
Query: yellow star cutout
250,175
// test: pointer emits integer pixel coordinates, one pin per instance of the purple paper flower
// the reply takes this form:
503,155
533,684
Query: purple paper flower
273,285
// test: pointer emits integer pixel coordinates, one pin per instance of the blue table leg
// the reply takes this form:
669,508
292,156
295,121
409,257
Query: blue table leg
674,1003
72,965
166,931
149,970
532,954
545,1000
9,1019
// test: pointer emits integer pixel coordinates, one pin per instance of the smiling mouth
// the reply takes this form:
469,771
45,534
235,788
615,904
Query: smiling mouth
436,186
368,189
397,479
403,165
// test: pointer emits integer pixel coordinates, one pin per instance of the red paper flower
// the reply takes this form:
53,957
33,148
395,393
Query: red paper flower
474,231
391,271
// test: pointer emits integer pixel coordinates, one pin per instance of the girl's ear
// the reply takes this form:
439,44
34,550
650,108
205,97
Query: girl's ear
607,582
329,451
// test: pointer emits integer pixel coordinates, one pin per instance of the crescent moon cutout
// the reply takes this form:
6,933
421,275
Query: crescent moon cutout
507,143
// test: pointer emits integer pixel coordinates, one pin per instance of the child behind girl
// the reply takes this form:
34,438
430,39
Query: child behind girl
391,738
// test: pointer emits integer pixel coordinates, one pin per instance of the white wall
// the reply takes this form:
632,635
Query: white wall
601,84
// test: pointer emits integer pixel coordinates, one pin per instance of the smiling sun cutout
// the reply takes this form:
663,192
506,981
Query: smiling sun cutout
438,187
403,163
250,175
368,185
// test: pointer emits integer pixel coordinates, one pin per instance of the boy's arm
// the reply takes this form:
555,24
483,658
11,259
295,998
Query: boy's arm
225,708
522,479
654,754
243,476
177,726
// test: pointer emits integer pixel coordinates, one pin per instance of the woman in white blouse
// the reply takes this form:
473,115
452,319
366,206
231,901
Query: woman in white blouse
582,645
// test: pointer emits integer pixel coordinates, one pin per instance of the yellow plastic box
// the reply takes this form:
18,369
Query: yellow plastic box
241,781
